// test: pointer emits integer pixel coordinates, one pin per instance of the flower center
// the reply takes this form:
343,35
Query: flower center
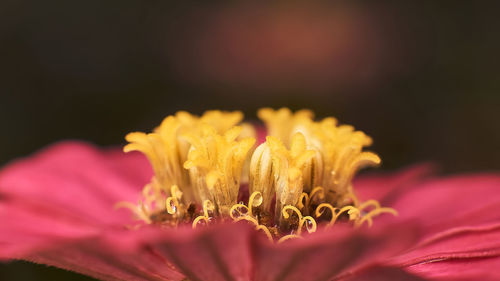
301,176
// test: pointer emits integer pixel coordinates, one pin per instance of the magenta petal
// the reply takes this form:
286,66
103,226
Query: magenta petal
383,186
484,269
75,178
221,252
440,204
328,254
133,166
458,243
99,259
57,208
261,135
23,230
63,193
237,252
459,216
379,273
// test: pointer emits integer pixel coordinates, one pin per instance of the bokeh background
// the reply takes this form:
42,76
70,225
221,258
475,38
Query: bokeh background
421,77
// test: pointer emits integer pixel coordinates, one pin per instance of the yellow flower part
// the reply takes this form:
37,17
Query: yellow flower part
167,152
342,152
287,169
241,212
282,123
261,178
215,164
339,150
203,165
221,121
302,221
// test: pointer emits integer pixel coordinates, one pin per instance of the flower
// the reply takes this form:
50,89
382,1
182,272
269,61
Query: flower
57,207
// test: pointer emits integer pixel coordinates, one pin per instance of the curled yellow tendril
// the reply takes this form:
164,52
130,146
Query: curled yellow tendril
208,206
141,211
306,199
254,201
375,212
353,212
302,221
172,203
147,206
289,237
258,227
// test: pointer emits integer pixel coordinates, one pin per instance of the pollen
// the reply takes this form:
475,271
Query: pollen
204,164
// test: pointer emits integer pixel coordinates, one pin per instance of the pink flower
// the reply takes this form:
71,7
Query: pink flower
56,208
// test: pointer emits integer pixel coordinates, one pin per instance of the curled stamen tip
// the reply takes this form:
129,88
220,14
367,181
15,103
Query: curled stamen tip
353,213
289,237
392,211
236,211
256,199
198,219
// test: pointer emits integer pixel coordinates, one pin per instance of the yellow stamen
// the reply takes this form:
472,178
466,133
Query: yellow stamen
254,201
353,212
261,177
306,199
282,123
374,203
258,227
172,203
341,148
306,221
162,150
208,207
375,212
139,210
215,164
289,237
287,169
308,166
151,204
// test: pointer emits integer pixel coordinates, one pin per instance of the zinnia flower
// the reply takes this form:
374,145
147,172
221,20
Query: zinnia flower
219,205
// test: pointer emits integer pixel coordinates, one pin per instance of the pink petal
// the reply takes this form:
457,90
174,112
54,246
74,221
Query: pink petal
65,192
151,253
441,204
379,273
484,269
133,166
459,217
77,179
215,253
57,208
97,258
326,254
383,186
458,243
261,134
23,230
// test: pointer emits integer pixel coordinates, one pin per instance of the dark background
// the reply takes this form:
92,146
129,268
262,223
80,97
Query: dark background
421,77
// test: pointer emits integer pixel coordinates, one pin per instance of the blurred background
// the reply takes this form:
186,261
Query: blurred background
421,77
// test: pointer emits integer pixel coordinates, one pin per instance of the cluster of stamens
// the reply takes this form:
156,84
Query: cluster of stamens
298,179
